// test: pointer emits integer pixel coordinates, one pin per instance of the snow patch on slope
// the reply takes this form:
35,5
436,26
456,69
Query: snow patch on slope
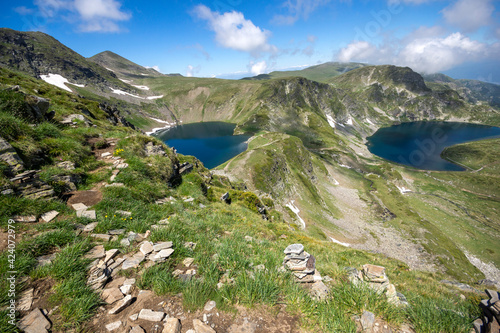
294,209
59,81
154,130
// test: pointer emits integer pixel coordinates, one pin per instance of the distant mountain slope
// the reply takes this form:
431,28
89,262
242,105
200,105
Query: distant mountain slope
321,73
472,90
121,66
38,54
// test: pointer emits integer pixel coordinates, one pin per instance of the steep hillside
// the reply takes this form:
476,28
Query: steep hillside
473,91
38,54
121,66
401,94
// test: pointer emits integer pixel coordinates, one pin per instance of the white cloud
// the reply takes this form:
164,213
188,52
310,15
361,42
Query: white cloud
156,68
357,51
235,32
90,15
23,10
469,15
258,68
426,55
192,71
298,9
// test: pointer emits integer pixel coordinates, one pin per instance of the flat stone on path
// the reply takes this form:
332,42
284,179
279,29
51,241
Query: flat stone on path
90,227
111,295
134,261
163,254
199,327
25,219
114,326
97,252
150,315
79,206
25,300
172,325
121,305
34,322
49,216
296,249
146,248
89,214
138,329
104,237
162,246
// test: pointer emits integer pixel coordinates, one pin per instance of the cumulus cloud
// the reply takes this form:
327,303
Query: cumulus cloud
91,15
426,55
469,15
258,68
192,71
235,32
297,9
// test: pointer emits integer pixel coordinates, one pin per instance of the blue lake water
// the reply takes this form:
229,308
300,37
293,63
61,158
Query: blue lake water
419,144
213,143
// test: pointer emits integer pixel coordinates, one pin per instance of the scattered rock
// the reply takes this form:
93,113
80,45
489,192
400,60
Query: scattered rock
162,255
122,166
116,231
110,254
89,214
104,237
146,248
190,245
34,322
24,219
97,252
150,315
111,295
162,246
49,216
66,165
25,300
125,242
137,329
98,277
121,305
134,261
114,326
123,213
90,227
248,238
45,260
200,327
172,325
489,322
210,306
187,262
294,249
319,290
367,321
79,206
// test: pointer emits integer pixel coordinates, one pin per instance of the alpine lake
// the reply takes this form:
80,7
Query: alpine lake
213,143
420,144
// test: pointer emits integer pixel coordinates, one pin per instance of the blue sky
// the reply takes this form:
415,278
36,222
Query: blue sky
236,38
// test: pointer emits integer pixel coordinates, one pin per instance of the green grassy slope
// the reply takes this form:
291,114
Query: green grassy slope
320,73
218,229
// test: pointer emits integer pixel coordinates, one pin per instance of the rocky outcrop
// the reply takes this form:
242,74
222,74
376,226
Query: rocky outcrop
114,116
489,322
9,155
28,185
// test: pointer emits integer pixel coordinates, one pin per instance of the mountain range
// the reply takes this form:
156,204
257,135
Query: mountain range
307,154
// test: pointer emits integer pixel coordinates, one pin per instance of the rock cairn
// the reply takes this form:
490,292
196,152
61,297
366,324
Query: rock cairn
303,267
489,322
375,278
